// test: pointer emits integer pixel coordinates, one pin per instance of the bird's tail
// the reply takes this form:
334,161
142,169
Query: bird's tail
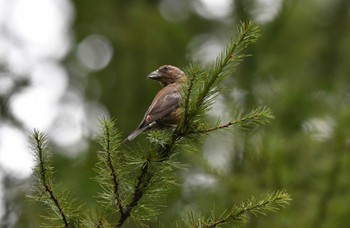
136,133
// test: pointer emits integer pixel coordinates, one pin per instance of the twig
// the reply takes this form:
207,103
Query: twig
240,120
238,214
113,171
144,179
273,203
187,99
222,65
43,174
142,182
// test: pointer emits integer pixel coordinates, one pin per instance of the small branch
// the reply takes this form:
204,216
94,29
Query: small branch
261,115
218,127
187,99
54,199
236,215
43,174
240,120
246,35
113,171
142,181
271,203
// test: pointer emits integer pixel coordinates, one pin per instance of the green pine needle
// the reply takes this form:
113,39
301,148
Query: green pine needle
251,119
63,208
204,85
108,167
271,202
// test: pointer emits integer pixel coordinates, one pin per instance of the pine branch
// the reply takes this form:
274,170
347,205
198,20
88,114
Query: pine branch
113,173
226,63
142,182
43,171
96,219
155,177
271,202
203,87
253,118
108,178
138,169
188,92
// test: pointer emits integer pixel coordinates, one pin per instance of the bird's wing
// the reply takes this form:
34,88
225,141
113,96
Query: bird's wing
166,101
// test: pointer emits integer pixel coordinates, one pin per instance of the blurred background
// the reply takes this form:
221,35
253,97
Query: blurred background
66,63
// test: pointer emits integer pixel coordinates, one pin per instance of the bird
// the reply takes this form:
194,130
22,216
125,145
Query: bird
164,111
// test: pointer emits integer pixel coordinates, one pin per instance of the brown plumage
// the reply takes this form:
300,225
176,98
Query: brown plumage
164,111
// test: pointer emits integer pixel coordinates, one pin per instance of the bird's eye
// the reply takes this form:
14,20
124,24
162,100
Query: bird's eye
165,68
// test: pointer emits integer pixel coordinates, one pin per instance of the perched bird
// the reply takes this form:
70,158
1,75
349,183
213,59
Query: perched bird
164,111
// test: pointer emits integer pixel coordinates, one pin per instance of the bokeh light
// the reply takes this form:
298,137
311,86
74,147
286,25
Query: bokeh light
95,52
218,9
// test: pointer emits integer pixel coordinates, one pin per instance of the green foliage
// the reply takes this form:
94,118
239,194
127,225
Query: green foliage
107,169
205,85
63,208
239,214
245,121
132,179
136,181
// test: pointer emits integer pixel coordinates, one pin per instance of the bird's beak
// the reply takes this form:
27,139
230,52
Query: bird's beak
154,75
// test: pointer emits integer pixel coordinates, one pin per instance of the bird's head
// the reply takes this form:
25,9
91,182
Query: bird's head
168,74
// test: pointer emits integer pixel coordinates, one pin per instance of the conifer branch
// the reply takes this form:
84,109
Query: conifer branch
187,96
153,174
204,85
253,118
143,181
133,170
111,167
226,63
271,202
109,162
43,172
